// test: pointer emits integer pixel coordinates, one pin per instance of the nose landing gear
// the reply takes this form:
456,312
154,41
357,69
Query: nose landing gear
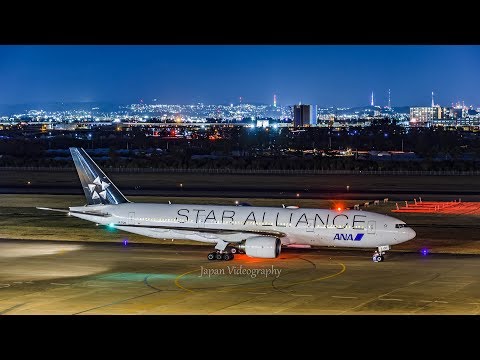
378,255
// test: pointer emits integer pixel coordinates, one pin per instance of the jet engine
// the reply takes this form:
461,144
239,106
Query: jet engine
261,246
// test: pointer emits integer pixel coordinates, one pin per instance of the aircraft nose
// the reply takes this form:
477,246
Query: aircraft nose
410,233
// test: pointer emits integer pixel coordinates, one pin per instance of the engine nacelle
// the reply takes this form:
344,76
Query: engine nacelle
261,247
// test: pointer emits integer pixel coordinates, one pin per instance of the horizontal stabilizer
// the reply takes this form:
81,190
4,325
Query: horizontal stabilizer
50,209
93,213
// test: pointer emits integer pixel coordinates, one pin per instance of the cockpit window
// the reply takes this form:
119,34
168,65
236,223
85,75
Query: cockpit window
399,226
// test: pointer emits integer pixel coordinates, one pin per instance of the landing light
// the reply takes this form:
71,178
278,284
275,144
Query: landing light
339,209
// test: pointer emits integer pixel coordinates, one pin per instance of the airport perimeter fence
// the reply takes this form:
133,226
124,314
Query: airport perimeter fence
255,171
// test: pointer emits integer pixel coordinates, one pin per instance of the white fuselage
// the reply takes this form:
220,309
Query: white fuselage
206,223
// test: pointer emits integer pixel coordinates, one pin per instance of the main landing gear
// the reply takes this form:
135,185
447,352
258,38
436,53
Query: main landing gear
217,255
223,252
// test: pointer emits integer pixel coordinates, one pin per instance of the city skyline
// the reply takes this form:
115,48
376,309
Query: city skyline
327,75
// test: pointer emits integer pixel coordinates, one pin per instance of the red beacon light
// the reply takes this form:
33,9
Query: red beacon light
338,207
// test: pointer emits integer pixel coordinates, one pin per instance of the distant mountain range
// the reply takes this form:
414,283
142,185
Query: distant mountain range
105,107
57,106
396,109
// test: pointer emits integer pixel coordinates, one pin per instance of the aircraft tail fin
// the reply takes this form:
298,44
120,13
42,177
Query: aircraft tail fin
98,188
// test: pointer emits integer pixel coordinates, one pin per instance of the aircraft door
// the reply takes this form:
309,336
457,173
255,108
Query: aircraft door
131,218
371,227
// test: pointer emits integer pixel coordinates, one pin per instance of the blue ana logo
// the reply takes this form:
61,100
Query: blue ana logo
358,237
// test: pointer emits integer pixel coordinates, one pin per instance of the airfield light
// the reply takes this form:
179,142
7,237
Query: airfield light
111,226
125,242
424,252
298,195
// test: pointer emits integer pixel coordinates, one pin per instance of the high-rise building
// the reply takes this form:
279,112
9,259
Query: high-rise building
371,102
389,103
450,116
274,100
313,115
301,115
424,116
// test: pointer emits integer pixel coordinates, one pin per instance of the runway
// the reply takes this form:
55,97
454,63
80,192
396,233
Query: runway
41,277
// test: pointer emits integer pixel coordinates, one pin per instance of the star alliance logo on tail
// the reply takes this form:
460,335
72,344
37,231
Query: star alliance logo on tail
98,189
358,237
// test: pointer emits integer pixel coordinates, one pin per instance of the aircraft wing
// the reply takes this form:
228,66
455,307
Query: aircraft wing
202,234
227,236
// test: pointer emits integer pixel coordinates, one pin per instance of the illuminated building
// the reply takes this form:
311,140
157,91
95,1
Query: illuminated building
424,116
313,115
301,115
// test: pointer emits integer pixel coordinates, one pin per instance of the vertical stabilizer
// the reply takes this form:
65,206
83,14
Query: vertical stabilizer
98,188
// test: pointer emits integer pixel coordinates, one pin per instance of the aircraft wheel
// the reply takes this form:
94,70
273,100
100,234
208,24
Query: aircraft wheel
211,256
227,257
218,256
379,258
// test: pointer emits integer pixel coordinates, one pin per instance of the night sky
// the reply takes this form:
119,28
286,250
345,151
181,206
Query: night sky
327,75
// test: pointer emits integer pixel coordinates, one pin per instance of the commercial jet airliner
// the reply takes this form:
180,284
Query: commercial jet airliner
256,231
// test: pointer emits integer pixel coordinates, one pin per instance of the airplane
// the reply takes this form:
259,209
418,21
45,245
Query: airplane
255,231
